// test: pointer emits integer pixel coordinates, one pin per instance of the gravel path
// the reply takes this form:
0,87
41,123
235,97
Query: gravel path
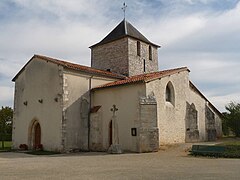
170,163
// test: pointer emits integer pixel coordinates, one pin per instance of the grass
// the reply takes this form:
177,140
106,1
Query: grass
230,143
232,149
7,146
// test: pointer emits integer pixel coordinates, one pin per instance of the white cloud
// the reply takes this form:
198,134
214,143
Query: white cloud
6,94
207,41
222,101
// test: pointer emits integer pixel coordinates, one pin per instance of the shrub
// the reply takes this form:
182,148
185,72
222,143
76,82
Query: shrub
39,147
23,147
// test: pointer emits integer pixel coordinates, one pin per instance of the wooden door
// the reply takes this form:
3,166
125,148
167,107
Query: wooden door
37,135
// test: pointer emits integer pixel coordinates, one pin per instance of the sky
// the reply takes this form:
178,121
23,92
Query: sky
203,35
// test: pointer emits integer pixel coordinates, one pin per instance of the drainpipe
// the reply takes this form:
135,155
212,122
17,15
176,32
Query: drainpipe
89,113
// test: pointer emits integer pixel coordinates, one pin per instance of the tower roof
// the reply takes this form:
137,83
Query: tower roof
124,29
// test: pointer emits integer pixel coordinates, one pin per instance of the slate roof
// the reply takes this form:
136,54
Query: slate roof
124,29
144,77
73,66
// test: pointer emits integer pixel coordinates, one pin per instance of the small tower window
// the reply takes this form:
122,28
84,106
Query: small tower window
150,52
138,48
144,65
169,93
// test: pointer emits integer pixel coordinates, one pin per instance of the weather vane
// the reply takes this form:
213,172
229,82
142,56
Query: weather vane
124,9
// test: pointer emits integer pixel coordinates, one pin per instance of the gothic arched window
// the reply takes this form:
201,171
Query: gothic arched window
169,93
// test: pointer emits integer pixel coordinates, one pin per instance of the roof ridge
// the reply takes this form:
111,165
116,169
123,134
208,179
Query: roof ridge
124,29
73,66
165,70
144,77
70,64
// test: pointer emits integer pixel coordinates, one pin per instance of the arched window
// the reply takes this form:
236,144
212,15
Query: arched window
169,93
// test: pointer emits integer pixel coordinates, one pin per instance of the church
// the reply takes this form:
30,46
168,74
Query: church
122,103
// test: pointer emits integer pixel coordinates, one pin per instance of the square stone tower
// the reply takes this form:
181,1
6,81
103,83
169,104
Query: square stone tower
125,51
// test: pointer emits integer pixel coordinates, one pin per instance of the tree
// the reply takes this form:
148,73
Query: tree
6,116
232,118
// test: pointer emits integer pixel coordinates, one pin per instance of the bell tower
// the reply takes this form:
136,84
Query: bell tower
125,51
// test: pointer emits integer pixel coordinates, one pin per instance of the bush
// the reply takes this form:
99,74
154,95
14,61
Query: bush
23,147
39,147
6,137
232,119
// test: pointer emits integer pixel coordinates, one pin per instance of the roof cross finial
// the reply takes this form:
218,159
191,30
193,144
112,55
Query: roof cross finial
124,9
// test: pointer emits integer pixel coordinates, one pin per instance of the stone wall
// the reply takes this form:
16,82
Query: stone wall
148,132
112,56
136,63
218,126
76,108
126,99
121,57
199,103
210,125
209,122
38,98
192,132
171,116
96,136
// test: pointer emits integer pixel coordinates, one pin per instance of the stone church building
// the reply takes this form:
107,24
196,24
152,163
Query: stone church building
121,103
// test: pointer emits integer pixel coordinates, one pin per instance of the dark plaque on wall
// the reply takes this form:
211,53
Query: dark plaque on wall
134,131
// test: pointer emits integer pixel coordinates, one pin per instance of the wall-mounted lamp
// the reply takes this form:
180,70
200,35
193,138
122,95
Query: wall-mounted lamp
40,100
56,99
25,103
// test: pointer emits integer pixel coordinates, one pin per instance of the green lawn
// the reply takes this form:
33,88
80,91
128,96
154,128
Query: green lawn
232,149
7,145
230,143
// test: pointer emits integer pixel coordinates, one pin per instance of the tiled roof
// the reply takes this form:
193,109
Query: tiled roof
74,67
124,29
144,77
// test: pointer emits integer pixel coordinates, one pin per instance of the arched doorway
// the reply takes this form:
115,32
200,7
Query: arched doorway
110,133
37,135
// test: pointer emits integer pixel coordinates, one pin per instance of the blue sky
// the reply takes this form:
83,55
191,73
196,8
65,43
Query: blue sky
200,34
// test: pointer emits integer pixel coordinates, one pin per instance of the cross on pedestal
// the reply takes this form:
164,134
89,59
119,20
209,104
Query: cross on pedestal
114,109
115,147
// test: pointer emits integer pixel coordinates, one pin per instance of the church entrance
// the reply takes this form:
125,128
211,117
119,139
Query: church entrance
34,134
110,133
37,135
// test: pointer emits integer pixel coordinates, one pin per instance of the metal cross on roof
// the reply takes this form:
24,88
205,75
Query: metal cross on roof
124,9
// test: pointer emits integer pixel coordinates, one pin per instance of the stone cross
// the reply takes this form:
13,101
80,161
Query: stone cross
115,147
124,9
114,109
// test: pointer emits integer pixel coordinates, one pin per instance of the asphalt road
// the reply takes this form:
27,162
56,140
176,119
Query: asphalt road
172,163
